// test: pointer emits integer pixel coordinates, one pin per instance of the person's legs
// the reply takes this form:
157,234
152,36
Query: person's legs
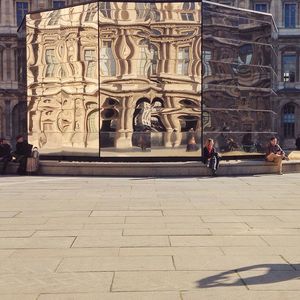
213,165
22,164
278,161
272,157
5,160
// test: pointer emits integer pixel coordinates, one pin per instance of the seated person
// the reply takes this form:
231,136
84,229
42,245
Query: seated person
23,151
211,157
192,145
5,154
275,153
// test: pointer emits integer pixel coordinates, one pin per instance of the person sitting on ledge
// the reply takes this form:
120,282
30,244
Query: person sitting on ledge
275,154
211,157
23,151
5,154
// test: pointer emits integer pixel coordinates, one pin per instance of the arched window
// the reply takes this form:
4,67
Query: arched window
289,120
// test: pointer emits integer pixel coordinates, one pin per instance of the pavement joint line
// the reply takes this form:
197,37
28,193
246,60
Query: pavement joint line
71,246
112,282
59,263
290,264
173,261
242,280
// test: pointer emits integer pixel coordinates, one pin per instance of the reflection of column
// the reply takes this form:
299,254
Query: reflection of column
123,133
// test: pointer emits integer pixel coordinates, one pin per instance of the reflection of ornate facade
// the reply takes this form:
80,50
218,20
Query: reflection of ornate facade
12,98
125,79
287,103
238,59
79,83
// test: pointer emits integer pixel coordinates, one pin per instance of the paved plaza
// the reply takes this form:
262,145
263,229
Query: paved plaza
91,238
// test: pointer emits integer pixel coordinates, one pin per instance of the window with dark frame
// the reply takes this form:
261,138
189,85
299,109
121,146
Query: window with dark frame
289,63
289,120
290,10
22,9
58,4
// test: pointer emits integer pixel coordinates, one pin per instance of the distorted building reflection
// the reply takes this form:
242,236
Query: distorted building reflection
125,79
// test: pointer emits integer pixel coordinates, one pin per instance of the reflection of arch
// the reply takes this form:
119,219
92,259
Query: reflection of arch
19,119
288,120
142,115
92,122
189,103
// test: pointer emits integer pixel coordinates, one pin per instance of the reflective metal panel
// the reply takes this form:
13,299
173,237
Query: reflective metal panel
237,79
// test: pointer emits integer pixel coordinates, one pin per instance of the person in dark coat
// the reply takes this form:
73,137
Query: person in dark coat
211,157
298,143
23,151
5,154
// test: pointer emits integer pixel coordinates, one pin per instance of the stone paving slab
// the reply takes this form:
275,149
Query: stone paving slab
114,296
164,281
227,294
234,238
131,263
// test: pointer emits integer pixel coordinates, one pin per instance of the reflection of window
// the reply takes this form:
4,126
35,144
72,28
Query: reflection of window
155,14
290,15
90,58
206,61
58,4
50,62
105,9
263,7
90,14
154,59
245,54
107,61
188,8
22,10
144,61
289,67
289,120
142,10
54,17
183,60
92,123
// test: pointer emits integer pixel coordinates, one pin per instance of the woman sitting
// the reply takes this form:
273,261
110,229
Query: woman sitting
211,157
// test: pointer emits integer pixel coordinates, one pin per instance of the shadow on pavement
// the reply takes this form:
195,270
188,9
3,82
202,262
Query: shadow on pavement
270,273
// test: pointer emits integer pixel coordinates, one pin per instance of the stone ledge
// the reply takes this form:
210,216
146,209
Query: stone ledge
158,169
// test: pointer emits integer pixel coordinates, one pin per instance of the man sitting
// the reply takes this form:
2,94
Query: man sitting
275,154
23,151
5,154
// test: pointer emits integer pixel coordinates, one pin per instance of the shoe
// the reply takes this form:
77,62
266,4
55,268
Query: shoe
280,173
214,173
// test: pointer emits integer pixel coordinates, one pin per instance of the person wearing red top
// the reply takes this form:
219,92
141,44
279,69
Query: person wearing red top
211,157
